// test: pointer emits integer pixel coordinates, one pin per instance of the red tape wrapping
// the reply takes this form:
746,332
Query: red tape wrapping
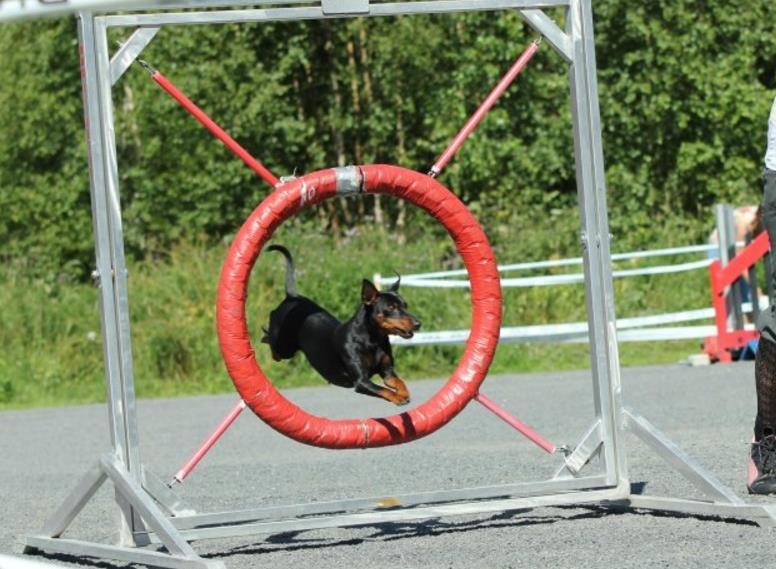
289,419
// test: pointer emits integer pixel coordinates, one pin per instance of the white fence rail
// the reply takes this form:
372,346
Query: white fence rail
635,329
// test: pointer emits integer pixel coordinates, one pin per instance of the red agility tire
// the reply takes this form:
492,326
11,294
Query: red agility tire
287,200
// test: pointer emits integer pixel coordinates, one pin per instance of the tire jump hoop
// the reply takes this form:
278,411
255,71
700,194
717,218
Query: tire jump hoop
289,199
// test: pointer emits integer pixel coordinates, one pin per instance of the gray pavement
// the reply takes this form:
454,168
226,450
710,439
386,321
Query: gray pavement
707,411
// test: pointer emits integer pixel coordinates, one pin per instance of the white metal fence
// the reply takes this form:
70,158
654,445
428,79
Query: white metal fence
635,329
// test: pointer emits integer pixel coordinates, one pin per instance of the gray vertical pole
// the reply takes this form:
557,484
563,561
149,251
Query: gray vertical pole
599,288
109,249
754,295
768,261
726,236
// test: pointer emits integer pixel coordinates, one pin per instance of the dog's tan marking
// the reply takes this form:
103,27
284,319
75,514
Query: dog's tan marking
399,387
392,396
402,324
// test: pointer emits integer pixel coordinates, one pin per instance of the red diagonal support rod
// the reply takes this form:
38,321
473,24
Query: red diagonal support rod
484,108
208,443
214,129
516,424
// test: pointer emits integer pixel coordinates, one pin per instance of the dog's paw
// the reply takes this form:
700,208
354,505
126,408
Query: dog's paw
403,402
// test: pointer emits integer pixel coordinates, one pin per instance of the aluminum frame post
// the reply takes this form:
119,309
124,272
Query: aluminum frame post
110,274
594,236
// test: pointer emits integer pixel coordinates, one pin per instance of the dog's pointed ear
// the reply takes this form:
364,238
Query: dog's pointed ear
369,292
395,286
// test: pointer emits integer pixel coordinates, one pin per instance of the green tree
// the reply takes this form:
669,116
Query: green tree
44,199
685,89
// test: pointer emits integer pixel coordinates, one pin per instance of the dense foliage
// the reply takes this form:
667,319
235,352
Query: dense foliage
50,342
685,89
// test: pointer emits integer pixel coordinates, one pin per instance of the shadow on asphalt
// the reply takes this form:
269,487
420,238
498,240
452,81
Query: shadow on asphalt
393,531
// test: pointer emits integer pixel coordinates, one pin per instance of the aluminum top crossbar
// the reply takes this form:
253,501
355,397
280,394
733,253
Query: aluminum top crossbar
318,13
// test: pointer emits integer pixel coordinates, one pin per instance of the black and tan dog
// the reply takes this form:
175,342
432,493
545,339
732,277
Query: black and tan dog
347,353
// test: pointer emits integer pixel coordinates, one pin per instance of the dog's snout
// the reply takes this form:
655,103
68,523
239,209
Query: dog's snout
415,324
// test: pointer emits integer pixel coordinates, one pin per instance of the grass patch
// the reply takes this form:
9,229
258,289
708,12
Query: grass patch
50,332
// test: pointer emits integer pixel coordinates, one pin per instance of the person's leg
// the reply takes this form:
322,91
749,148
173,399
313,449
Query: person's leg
765,383
769,224
762,455
762,470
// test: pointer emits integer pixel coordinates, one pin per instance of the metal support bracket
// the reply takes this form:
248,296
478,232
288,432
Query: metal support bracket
680,461
557,38
164,495
74,503
129,52
180,556
583,453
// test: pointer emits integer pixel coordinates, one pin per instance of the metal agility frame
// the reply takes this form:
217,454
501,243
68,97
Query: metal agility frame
152,515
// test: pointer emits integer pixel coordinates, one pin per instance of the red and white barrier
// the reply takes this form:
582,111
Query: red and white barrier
719,346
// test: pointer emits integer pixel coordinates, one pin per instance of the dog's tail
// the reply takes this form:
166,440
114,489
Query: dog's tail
290,273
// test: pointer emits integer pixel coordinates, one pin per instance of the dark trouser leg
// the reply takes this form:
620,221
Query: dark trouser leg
765,364
765,383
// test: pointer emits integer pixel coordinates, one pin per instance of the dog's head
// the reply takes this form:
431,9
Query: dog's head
388,310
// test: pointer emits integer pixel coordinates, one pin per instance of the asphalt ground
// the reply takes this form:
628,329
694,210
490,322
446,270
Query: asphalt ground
707,411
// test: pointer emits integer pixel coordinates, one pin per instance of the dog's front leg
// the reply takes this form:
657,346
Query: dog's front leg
390,378
399,387
396,384
363,384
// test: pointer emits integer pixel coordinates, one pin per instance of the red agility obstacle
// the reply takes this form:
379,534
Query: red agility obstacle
288,200
267,403
719,347
421,190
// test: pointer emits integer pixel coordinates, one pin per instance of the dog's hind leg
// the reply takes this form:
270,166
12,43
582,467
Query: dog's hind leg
265,339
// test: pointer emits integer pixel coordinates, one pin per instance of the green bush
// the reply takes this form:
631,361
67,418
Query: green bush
684,101
684,96
50,333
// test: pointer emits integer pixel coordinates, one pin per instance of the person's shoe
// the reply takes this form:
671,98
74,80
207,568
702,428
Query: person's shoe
761,465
